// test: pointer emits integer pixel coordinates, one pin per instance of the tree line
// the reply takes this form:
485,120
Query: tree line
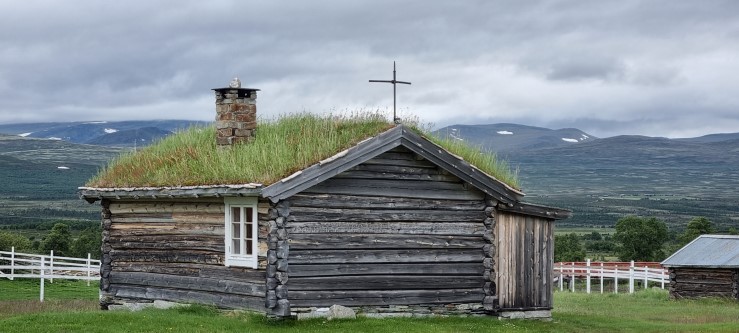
636,238
59,239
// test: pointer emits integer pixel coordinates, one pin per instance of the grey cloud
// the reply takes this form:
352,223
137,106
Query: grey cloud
492,61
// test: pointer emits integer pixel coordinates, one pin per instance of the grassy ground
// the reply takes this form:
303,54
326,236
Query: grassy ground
645,311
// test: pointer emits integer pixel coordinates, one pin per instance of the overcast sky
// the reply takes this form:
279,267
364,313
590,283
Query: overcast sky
660,68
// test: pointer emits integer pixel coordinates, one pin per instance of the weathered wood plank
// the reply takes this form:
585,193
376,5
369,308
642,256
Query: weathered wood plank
714,287
167,207
382,202
351,174
398,162
169,228
154,218
118,238
385,297
193,269
378,241
172,245
398,169
397,188
207,257
384,282
408,228
400,155
188,283
222,300
385,256
309,214
298,270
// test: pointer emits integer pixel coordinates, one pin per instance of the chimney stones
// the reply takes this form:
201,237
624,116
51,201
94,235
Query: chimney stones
236,114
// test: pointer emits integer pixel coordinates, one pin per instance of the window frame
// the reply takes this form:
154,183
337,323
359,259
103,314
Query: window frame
241,260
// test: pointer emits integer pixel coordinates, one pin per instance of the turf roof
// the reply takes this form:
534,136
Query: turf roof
281,147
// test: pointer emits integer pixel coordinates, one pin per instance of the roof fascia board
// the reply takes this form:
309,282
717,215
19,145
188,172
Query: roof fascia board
537,210
94,194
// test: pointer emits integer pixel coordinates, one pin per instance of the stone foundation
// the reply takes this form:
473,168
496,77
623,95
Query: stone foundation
431,310
535,314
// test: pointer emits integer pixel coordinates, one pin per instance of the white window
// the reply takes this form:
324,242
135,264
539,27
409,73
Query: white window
241,232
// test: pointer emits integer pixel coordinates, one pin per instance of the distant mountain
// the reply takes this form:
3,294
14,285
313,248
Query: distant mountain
129,133
133,137
713,138
511,137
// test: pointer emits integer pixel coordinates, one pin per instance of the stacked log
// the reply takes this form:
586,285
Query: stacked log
696,282
277,301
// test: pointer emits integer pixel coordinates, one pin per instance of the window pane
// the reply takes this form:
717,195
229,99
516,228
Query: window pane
236,246
248,227
235,214
235,230
248,214
248,246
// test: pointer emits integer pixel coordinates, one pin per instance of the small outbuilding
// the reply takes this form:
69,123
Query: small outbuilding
393,223
706,267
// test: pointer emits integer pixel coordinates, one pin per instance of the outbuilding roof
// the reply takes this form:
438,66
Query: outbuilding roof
707,251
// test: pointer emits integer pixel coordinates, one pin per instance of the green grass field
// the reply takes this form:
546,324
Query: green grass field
72,307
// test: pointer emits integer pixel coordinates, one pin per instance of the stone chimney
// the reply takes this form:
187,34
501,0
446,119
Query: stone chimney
236,113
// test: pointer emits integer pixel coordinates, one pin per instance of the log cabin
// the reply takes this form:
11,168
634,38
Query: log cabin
393,224
706,267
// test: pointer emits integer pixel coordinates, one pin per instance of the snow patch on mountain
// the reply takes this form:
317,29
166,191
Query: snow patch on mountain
570,140
110,130
454,133
96,122
25,134
504,132
54,138
61,167
584,137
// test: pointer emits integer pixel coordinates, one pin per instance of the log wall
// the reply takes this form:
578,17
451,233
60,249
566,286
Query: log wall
703,282
174,250
525,250
393,232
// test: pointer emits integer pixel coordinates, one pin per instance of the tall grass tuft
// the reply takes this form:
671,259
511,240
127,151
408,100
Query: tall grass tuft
481,158
280,148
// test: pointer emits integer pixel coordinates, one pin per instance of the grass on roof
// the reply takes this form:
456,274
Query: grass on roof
282,147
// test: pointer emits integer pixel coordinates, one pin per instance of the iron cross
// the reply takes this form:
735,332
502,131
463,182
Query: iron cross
394,82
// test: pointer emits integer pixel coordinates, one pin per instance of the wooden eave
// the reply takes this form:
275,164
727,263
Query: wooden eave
92,194
536,210
397,136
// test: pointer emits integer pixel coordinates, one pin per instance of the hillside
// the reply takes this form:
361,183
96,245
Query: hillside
40,178
114,133
601,180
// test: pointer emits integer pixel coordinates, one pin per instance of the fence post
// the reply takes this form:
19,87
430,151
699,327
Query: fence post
88,269
41,292
572,279
601,277
561,284
12,262
587,283
646,281
615,278
51,266
631,278
662,277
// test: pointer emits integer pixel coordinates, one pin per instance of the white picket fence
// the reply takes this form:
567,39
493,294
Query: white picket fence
47,267
604,272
